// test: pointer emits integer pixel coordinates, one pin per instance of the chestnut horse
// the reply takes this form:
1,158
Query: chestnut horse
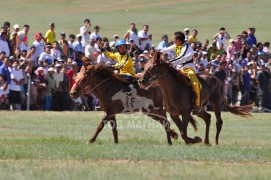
178,95
107,85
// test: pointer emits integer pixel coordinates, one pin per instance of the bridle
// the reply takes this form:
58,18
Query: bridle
90,87
155,77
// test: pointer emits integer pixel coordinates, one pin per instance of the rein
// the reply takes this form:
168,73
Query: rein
155,77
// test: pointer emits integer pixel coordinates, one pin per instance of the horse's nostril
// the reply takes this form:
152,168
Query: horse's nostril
142,81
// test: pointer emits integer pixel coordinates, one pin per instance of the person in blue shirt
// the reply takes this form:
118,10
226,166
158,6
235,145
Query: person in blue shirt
4,70
251,39
164,43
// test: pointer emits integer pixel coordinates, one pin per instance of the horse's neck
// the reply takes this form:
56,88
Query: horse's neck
167,83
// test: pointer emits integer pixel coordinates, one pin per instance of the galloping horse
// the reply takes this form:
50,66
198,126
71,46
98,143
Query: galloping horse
178,95
105,84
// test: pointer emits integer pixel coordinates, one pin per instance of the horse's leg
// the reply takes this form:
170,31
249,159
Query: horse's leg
207,119
219,122
163,120
113,123
176,119
99,128
187,139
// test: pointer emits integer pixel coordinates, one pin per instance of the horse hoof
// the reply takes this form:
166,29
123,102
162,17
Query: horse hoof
90,141
197,139
175,136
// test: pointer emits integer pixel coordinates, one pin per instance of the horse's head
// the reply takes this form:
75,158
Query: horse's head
153,69
82,82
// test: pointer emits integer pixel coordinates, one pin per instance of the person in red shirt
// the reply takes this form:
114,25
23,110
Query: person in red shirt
71,74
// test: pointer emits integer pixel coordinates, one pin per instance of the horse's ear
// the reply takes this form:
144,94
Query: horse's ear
87,61
156,58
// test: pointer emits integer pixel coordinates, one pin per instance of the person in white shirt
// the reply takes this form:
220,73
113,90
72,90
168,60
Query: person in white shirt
39,44
102,59
17,78
4,44
71,41
24,32
145,38
84,31
95,34
186,32
221,37
55,53
46,56
204,59
131,34
90,50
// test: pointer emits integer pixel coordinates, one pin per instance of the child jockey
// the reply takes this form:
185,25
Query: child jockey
184,62
124,60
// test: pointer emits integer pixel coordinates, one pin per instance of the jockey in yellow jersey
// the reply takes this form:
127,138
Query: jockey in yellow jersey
124,60
184,62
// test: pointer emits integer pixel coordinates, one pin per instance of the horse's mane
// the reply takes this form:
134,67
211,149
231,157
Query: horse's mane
184,80
107,72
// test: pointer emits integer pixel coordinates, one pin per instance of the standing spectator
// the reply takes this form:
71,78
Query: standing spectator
246,60
4,91
205,45
164,43
221,37
23,45
7,29
63,46
46,56
4,71
85,32
216,61
71,41
51,86
193,38
233,86
33,56
55,53
78,47
131,34
16,28
244,50
245,85
112,43
4,44
230,49
2,57
15,86
145,38
90,50
204,59
95,33
186,33
102,59
251,39
235,62
24,32
136,61
39,44
263,81
238,43
50,35
220,72
58,96
71,74
13,43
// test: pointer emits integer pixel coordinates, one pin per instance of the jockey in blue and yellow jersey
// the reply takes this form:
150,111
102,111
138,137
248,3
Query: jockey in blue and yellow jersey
124,60
184,62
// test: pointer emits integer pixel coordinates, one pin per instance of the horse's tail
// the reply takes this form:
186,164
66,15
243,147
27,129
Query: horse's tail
193,122
242,111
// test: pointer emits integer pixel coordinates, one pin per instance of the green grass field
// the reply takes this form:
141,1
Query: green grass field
164,17
52,145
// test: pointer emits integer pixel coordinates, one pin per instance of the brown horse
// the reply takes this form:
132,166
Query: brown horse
178,95
116,96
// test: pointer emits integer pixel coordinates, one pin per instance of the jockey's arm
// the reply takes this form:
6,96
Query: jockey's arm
168,49
110,55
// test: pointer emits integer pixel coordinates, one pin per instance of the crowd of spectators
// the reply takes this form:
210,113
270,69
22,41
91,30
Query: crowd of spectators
51,64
